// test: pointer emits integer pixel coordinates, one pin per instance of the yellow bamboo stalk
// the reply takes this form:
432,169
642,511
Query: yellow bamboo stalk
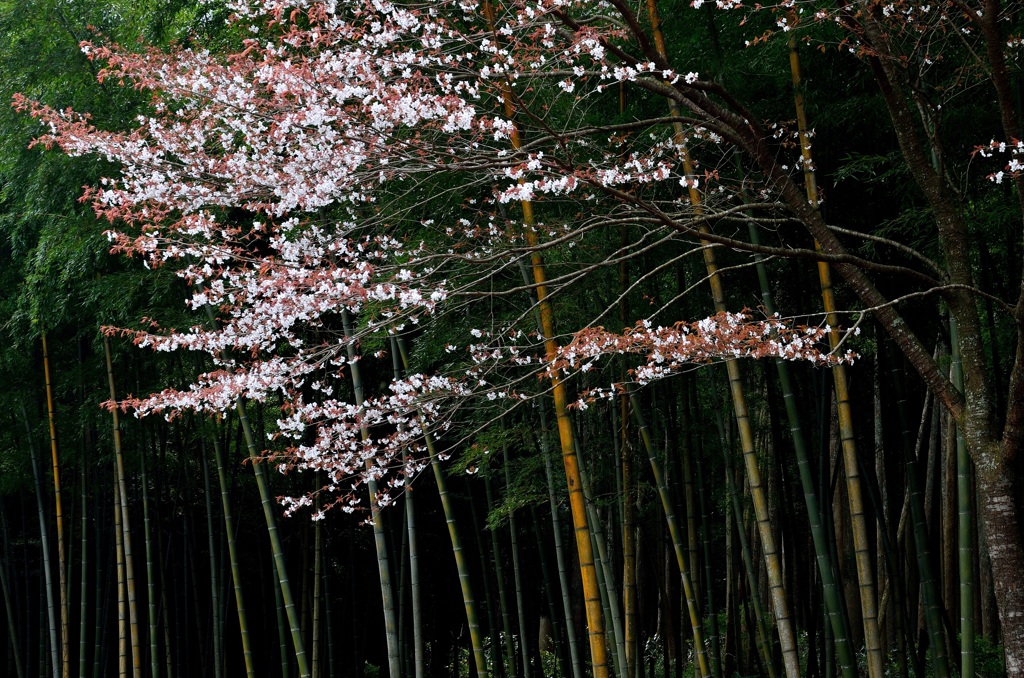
129,567
854,487
62,566
772,557
577,503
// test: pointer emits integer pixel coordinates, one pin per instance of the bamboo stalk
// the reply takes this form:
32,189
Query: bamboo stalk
62,566
151,596
858,520
581,526
556,528
233,561
524,637
772,556
965,527
232,556
419,660
218,657
468,599
668,506
122,598
762,633
44,542
129,562
12,624
379,534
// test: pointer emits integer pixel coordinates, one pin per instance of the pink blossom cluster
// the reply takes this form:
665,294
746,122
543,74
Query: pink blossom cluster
723,336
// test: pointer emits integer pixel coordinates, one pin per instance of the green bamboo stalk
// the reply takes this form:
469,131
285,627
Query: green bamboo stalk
277,548
379,534
282,631
83,612
858,520
911,450
524,637
834,607
705,529
62,566
236,571
499,573
419,659
965,528
469,601
218,658
122,598
628,505
762,634
485,556
931,601
12,624
611,591
317,574
556,528
154,643
772,556
44,541
668,506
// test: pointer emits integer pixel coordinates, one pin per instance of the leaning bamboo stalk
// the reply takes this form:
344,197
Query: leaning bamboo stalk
668,505
236,571
129,562
965,527
62,566
379,534
854,489
468,599
277,548
771,552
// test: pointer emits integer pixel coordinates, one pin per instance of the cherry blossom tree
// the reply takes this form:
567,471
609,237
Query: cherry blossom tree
287,183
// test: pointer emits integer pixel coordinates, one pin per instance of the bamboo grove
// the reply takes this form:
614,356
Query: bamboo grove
844,505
